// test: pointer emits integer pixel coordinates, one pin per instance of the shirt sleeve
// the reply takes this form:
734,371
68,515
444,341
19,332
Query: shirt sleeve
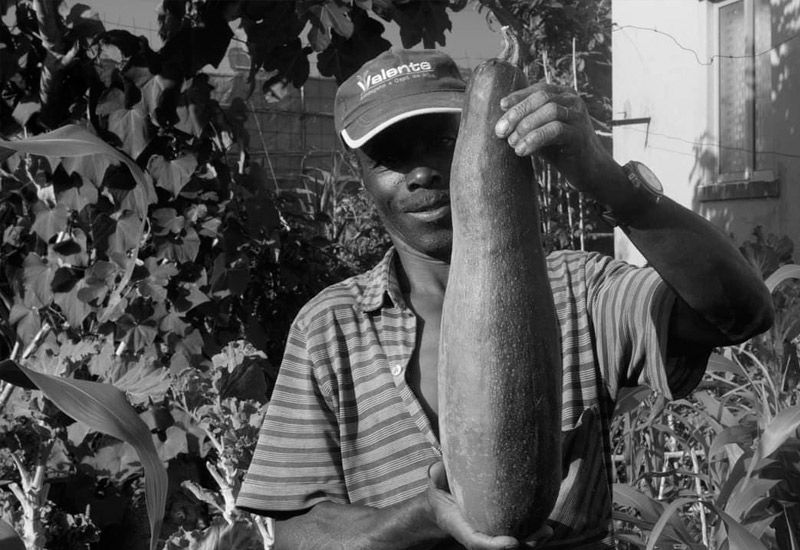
630,309
297,462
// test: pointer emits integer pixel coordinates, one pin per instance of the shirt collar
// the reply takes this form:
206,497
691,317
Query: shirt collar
382,282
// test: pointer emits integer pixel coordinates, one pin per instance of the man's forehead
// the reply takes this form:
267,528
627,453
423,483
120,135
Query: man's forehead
419,127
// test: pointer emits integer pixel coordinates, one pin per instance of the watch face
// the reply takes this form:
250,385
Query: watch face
649,178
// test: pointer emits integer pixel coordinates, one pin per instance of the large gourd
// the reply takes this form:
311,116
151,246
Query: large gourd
499,356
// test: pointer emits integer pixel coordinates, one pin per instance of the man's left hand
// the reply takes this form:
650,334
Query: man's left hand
552,121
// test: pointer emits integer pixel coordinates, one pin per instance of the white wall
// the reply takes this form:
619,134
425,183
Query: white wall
653,77
671,77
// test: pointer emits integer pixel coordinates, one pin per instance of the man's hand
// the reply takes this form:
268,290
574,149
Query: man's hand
450,519
553,122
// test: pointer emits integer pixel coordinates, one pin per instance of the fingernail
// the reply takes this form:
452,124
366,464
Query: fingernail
501,128
504,104
513,139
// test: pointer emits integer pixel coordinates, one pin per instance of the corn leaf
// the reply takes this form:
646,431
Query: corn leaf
784,272
649,509
720,363
76,141
665,520
739,538
9,539
105,409
779,430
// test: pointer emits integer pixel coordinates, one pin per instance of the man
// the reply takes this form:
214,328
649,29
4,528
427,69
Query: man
348,455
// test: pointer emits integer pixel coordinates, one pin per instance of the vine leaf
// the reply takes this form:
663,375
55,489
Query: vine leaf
105,409
77,197
332,17
49,221
26,320
172,175
130,126
72,306
127,234
91,168
37,277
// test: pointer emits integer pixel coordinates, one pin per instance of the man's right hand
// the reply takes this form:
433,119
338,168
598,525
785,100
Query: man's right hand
449,518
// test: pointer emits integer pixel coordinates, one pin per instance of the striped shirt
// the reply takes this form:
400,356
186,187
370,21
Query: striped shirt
343,425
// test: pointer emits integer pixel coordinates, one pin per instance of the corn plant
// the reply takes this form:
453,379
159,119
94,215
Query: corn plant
719,468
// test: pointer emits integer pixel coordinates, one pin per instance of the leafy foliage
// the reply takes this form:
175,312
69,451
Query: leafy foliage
135,258
718,469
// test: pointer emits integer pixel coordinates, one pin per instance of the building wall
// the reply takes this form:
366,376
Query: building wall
665,69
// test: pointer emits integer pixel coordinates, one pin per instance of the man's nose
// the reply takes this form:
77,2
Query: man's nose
423,176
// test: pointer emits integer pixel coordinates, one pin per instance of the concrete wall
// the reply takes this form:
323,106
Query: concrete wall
666,70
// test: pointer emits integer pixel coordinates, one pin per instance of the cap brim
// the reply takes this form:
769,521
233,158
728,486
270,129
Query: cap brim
442,102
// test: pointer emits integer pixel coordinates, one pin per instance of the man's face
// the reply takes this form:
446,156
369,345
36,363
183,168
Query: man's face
406,170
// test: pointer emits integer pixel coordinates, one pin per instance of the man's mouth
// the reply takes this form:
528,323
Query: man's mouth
430,208
432,214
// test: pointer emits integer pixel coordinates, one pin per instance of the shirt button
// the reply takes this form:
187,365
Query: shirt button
397,369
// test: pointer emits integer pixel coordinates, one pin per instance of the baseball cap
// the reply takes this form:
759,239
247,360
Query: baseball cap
396,85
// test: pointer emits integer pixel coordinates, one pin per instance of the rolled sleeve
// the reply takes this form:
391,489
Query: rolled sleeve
630,309
297,462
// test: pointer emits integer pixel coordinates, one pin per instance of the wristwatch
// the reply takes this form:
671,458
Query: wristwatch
644,183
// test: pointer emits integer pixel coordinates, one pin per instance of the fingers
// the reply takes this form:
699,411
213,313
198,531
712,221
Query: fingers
552,133
521,103
451,520
437,476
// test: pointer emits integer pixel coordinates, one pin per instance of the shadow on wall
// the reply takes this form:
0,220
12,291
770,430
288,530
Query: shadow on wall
777,137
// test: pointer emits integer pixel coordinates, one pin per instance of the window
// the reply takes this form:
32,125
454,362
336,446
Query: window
745,80
742,77
744,84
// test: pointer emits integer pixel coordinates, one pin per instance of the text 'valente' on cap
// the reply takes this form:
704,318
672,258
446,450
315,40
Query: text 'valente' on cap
396,85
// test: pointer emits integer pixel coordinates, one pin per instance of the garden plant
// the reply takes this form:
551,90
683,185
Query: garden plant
148,275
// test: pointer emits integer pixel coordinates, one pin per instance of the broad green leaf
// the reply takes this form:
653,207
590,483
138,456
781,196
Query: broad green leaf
180,248
9,539
136,335
784,272
167,220
172,175
50,221
105,409
739,538
779,430
665,519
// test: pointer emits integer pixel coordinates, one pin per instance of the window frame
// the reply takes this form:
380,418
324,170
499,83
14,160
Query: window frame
749,183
